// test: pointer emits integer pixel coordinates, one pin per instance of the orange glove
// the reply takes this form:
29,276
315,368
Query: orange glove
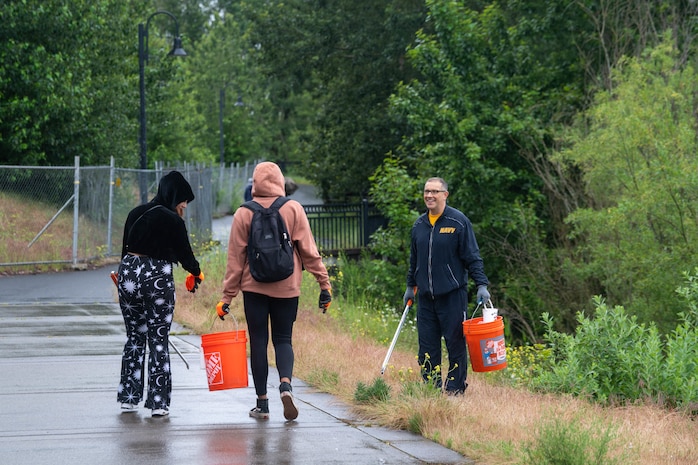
192,282
222,309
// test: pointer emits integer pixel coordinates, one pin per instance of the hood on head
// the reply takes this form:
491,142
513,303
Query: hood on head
268,180
173,190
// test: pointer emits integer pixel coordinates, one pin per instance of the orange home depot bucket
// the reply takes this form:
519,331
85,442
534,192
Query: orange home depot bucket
225,357
485,344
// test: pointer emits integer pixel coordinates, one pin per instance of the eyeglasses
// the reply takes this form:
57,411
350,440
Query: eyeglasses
432,192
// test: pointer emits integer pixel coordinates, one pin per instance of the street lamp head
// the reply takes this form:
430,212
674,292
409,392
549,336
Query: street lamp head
177,49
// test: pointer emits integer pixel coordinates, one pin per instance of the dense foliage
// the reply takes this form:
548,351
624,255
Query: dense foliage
61,64
510,98
614,359
564,129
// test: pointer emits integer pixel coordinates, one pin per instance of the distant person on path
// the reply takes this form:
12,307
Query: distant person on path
443,252
275,302
155,239
290,186
248,190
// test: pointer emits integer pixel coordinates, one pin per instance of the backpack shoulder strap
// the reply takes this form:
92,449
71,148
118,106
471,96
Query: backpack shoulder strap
278,203
252,205
142,214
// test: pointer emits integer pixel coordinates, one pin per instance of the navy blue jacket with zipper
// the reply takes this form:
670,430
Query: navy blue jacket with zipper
442,256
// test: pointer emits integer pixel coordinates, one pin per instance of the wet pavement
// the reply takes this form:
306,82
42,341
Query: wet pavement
61,336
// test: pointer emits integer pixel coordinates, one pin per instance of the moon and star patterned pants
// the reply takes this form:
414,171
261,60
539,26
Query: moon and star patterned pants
147,301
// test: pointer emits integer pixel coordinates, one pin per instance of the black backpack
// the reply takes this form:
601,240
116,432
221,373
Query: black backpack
269,248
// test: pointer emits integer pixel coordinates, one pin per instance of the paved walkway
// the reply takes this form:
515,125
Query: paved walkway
61,336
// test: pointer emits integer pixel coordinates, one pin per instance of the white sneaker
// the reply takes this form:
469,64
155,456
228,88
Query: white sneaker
160,412
127,408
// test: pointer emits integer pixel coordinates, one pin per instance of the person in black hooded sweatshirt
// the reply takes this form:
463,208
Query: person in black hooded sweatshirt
155,239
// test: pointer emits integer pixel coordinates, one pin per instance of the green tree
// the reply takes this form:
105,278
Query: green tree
499,84
495,86
69,85
63,81
636,148
226,60
347,56
175,123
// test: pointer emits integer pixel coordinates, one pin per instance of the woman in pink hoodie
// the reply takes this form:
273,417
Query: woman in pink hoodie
276,301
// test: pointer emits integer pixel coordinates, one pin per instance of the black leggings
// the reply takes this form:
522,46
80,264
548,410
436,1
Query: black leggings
259,311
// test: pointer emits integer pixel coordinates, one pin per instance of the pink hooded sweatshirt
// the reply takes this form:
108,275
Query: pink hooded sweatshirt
267,185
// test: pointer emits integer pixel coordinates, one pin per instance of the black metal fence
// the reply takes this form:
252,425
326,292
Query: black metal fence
343,227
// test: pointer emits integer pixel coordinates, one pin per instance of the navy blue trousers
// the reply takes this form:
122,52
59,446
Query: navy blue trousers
439,317
147,301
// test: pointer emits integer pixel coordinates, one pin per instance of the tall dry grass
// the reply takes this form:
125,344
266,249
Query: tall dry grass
491,424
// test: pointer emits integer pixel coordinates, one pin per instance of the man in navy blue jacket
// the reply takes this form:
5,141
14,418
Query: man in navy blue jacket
443,252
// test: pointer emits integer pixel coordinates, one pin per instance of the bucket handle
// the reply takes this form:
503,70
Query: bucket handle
465,313
237,327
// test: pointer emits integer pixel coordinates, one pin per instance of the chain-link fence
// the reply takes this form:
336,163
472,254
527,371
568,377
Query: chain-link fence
51,215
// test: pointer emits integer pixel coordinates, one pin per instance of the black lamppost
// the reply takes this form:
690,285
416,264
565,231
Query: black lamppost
221,107
178,51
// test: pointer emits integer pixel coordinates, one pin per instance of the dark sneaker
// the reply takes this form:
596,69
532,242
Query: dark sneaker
457,392
290,408
261,411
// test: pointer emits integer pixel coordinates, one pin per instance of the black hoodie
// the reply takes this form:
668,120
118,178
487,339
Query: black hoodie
156,230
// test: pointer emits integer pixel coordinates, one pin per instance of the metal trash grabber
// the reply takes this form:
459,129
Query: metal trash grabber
115,279
397,333
178,353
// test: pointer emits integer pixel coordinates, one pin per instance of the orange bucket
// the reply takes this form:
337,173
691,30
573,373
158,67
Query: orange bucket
225,357
485,344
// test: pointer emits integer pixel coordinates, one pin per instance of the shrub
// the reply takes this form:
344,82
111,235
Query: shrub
524,364
369,311
378,391
379,281
612,358
569,443
680,380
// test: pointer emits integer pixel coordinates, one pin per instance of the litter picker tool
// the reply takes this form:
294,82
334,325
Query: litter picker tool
179,353
115,279
397,333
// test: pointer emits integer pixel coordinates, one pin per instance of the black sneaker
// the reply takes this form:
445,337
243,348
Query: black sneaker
290,408
457,392
261,411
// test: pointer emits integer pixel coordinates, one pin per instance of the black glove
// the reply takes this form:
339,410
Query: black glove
408,298
325,299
